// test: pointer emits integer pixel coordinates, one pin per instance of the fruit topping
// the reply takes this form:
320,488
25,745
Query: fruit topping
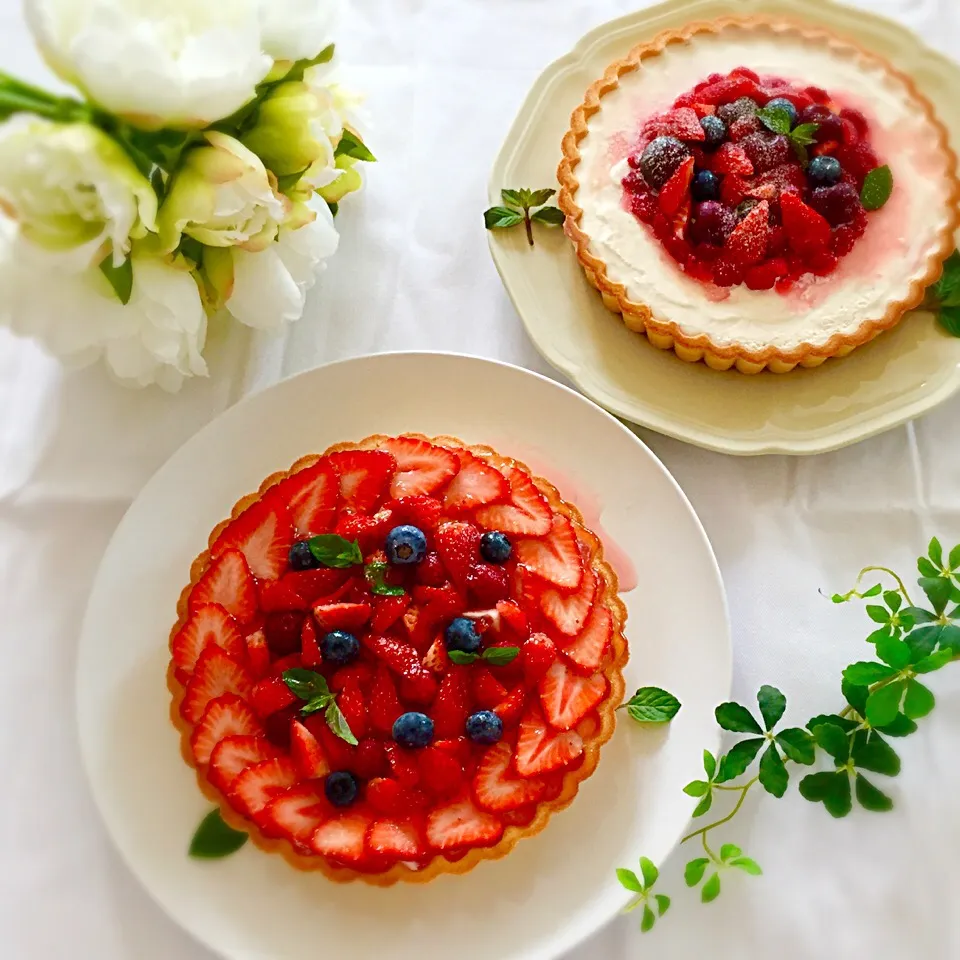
363,476
497,789
421,466
733,110
405,545
556,556
225,716
295,814
394,841
460,825
283,630
301,556
526,514
458,546
681,124
208,624
341,788
476,483
257,785
227,581
214,675
838,204
440,771
484,726
824,171
495,547
310,496
748,241
342,839
536,655
341,616
339,647
567,697
661,158
712,223
307,754
766,150
714,130
413,729
541,749
590,646
807,231
263,534
487,584
461,634
569,611
705,185
782,103
452,705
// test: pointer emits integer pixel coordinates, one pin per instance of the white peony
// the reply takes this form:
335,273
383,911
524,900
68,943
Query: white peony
183,63
71,188
297,29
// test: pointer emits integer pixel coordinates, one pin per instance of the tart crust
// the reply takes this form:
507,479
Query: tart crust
593,737
666,334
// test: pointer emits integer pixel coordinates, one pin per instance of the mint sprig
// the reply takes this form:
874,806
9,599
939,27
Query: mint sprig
215,839
884,698
877,187
495,656
312,688
944,295
335,551
777,120
375,574
652,705
516,209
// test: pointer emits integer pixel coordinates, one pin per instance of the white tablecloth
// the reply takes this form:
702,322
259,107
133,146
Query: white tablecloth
444,80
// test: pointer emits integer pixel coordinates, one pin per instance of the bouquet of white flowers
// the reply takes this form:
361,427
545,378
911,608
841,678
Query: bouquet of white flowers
200,173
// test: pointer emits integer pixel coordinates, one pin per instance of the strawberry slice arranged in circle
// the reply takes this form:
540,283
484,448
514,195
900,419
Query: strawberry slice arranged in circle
568,612
527,512
497,789
541,749
208,624
422,467
224,716
257,785
227,582
461,824
555,556
589,648
342,839
215,674
567,697
295,814
364,475
395,840
476,484
263,534
232,755
310,496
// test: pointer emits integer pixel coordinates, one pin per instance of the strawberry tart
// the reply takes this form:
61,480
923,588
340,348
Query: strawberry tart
397,659
758,194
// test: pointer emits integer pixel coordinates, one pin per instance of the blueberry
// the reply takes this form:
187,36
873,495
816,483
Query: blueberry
461,634
413,729
484,726
406,544
341,788
782,103
301,556
660,159
495,547
824,171
706,186
339,647
715,129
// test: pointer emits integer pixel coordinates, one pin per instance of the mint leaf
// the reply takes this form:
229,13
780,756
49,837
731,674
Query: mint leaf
120,278
647,920
747,866
830,789
351,145
776,119
728,851
694,870
513,198
738,759
870,798
375,574
947,292
884,703
949,319
663,903
334,551
649,870
893,652
797,744
501,656
834,740
711,889
496,218
736,717
803,135
539,197
772,705
337,722
317,704
919,700
629,880
866,672
215,839
652,705
462,657
551,216
306,684
877,188
875,754
773,773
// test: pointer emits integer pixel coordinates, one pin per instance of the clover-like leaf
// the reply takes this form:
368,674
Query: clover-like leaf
649,870
919,615
883,704
696,788
923,640
935,552
900,726
877,613
953,561
934,661
830,789
647,920
893,600
709,764
663,903
629,880
738,759
772,705
844,723
870,797
918,700
871,752
736,718
894,652
834,740
938,590
856,695
704,805
867,672
773,773
730,850
711,889
747,866
926,568
694,870
797,744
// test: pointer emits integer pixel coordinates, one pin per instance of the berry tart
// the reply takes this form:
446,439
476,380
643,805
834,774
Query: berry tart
397,659
758,193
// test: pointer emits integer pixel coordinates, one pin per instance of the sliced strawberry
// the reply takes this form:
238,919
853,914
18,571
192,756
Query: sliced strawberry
395,841
682,123
497,790
452,706
357,674
341,616
388,796
368,530
387,611
270,695
311,585
527,513
460,748
807,231
677,188
342,839
732,88
748,241
569,611
541,749
278,596
351,704
282,664
340,754
488,691
225,716
589,649
227,581
232,755
510,710
567,698
384,703
436,660
421,467
461,824
215,674
295,814
514,618
430,571
731,158
263,534
309,645
423,512
306,752
477,483
258,654
310,496
458,544
257,785
402,658
403,765
537,655
555,557
370,760
487,584
208,624
440,773
363,477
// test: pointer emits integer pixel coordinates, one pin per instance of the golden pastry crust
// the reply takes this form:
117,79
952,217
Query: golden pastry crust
668,335
594,737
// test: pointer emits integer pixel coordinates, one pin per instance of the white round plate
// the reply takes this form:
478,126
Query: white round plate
902,374
552,890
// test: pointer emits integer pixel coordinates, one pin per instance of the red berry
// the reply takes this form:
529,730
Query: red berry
537,655
858,120
748,241
766,151
837,204
430,570
677,188
370,760
277,725
712,223
764,275
487,584
807,230
727,271
744,126
282,631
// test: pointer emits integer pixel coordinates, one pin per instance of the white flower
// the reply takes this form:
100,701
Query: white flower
71,188
222,196
297,29
182,63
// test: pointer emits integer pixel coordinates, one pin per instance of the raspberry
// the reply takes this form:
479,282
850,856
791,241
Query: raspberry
764,275
745,72
766,151
857,159
856,118
661,158
713,223
823,263
829,130
732,190
817,94
633,182
744,107
742,127
727,272
837,204
678,248
748,241
846,236
698,270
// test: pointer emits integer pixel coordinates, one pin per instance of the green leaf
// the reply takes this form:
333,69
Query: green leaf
950,637
947,291
333,207
773,773
709,764
540,197
877,613
704,805
834,740
919,700
663,903
893,600
894,652
711,889
501,656
871,798
923,640
877,188
497,218
729,850
649,870
306,684
739,758
830,789
375,574
926,568
884,703
882,634
696,788
900,726
935,552
934,661
949,319
919,615
337,722
872,752
335,551
462,657
215,839
797,744
549,216
937,590
653,705
747,866
954,560
351,145
803,135
513,198
856,695
736,717
648,919
776,119
866,672
772,705
120,278
844,723
629,880
316,704
694,870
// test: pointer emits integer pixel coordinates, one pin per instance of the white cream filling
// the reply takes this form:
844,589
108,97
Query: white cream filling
877,271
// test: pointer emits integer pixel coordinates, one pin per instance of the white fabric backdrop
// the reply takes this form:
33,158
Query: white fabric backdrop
444,79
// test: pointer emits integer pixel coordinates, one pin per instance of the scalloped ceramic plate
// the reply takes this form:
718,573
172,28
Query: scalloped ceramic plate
553,889
901,375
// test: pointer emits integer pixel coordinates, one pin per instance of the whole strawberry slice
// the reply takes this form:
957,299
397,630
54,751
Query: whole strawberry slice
497,790
391,840
263,534
232,755
342,839
748,241
364,475
421,511
295,815
421,467
208,624
556,556
731,158
271,695
341,616
458,544
387,611
215,674
567,698
224,716
476,483
452,706
227,581
537,655
569,611
589,648
460,825
526,513
310,496
677,188
807,231
258,785
540,749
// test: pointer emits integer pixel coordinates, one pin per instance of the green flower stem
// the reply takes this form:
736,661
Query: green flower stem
900,584
527,225
706,849
717,823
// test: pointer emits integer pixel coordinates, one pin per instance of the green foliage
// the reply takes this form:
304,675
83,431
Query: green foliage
518,207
